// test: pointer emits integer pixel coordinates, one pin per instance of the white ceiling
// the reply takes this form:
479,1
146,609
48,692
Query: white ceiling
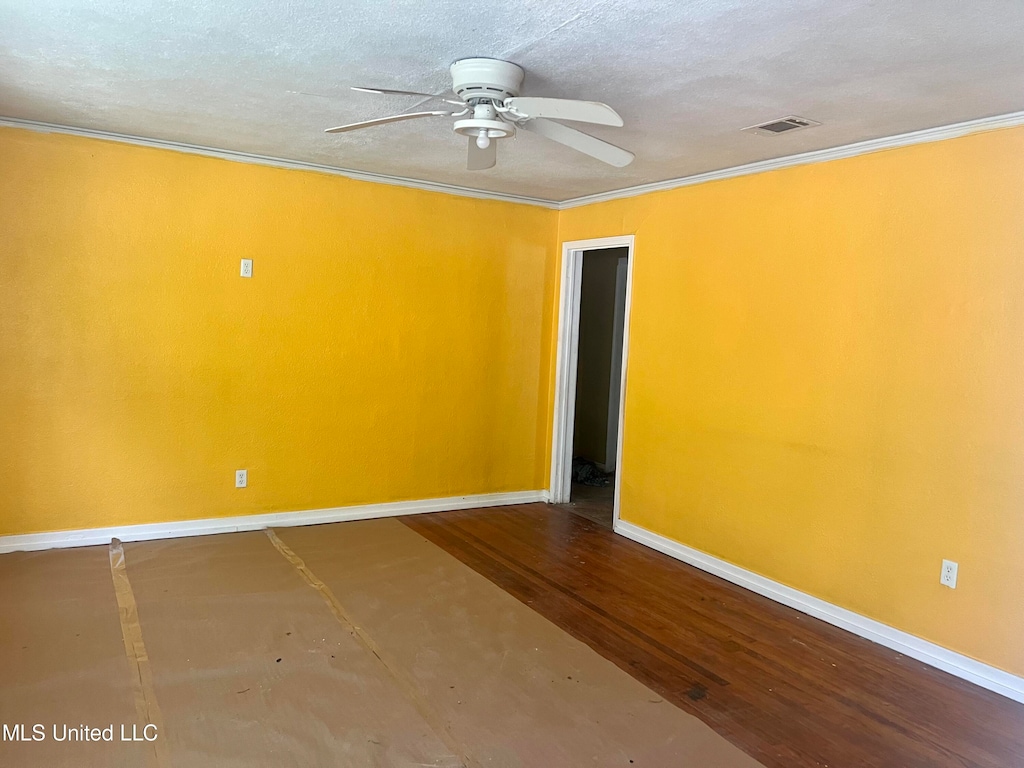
685,75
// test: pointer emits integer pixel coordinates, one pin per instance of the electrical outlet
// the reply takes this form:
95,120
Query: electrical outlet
246,268
241,478
948,575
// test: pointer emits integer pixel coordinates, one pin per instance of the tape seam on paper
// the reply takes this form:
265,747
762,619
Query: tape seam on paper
405,683
146,706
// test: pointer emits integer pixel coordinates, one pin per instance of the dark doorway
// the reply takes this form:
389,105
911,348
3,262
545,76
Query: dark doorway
598,381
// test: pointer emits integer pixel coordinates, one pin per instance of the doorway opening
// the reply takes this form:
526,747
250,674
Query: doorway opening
593,334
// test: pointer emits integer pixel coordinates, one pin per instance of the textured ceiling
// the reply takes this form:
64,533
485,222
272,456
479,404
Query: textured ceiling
685,75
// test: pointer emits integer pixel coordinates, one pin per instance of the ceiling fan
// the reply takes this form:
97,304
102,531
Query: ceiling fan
492,109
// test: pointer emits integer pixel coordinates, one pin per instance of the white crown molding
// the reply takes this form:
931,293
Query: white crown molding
277,162
940,133
86,537
957,664
1011,120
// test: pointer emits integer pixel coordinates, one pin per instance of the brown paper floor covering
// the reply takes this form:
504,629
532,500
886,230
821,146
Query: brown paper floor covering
352,644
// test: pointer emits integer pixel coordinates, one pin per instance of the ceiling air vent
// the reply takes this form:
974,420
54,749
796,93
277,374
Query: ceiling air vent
782,125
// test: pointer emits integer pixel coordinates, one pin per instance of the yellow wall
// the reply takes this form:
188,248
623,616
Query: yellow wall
826,380
826,371
391,344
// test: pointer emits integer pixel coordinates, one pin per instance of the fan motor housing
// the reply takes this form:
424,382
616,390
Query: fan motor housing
492,79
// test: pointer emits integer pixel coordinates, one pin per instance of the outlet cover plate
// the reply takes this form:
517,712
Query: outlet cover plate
241,478
948,575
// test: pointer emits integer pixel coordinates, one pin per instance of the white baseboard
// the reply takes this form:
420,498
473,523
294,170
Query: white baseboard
957,664
92,536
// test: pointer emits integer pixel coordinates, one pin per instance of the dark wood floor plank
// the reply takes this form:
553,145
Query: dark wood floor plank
787,688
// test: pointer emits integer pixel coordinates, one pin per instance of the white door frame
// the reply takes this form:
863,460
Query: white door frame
567,359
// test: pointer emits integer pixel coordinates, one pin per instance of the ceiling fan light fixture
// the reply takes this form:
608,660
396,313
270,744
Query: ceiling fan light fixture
493,129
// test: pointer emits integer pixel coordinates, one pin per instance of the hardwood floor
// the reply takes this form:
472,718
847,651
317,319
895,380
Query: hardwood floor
594,503
788,689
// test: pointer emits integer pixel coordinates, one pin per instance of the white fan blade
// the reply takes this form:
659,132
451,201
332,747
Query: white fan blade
481,159
384,120
389,92
565,109
581,142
